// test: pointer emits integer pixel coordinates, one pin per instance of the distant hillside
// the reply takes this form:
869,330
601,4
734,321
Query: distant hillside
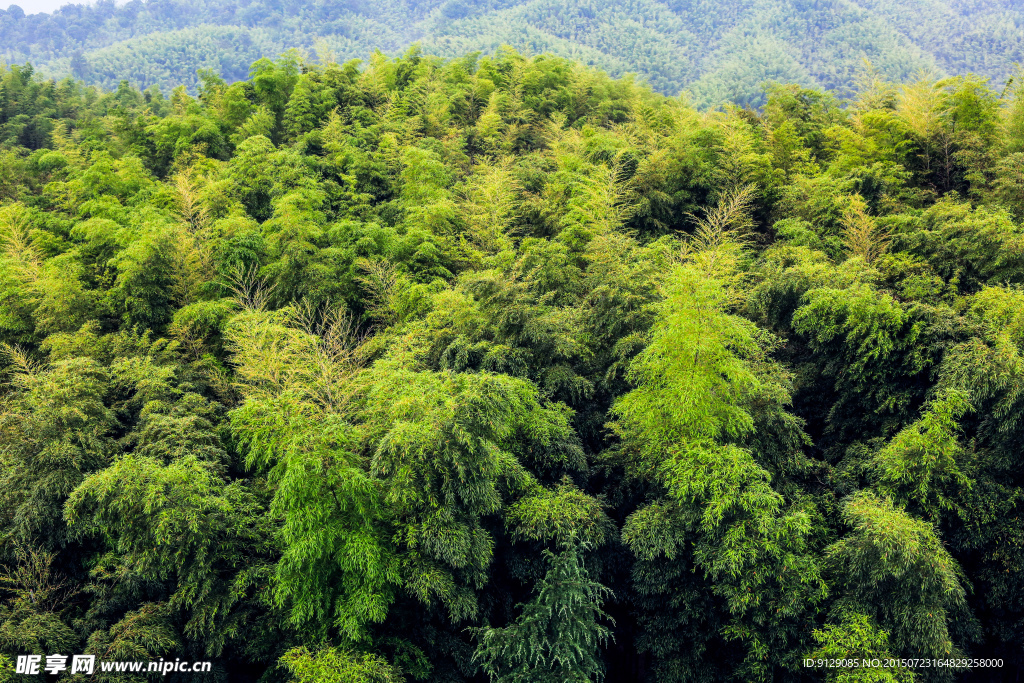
720,50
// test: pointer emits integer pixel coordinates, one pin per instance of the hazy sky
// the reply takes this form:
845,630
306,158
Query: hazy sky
33,6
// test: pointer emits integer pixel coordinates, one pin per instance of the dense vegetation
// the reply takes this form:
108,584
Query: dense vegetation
500,369
721,50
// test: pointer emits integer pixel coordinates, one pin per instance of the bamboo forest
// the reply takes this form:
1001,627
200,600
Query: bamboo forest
496,368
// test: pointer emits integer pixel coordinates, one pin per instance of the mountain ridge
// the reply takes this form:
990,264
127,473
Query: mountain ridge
717,49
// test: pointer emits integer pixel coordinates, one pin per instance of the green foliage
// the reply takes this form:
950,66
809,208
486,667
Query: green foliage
856,638
920,463
34,616
895,569
558,633
698,379
55,432
440,370
330,665
180,523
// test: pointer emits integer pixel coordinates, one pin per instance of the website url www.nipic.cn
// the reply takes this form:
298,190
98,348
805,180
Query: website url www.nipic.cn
87,664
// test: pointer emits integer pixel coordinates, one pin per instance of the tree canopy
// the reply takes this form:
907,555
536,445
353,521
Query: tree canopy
497,368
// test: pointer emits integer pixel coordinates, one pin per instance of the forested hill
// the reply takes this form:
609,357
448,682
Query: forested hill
499,369
722,50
